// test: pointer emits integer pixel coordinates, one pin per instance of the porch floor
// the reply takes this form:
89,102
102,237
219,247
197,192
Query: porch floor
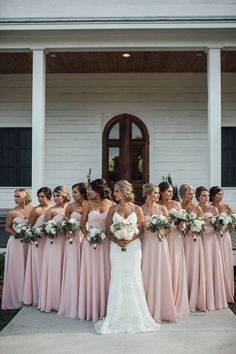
34,332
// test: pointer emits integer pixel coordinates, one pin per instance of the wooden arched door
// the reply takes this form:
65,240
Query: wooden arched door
126,152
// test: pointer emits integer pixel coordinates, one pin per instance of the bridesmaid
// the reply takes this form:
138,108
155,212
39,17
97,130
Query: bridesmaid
215,289
71,264
216,197
156,266
14,272
95,263
194,254
50,286
177,256
35,255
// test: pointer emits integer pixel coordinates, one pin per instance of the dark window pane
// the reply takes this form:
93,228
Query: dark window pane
15,152
136,132
229,156
115,132
136,160
114,163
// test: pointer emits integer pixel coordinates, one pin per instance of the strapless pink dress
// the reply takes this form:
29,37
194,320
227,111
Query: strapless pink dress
33,269
225,244
196,272
215,287
50,285
71,274
156,271
14,272
178,271
94,274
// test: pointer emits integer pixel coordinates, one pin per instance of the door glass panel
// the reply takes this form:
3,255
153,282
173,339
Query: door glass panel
115,132
114,163
136,160
136,132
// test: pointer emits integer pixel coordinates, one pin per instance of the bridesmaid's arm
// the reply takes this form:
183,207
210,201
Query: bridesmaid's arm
9,222
84,219
164,210
33,216
140,217
109,222
68,211
49,214
199,211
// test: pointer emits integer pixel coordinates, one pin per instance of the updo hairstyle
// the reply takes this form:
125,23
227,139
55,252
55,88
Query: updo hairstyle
63,191
126,189
100,186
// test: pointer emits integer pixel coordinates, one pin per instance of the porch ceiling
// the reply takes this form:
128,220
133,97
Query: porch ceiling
113,62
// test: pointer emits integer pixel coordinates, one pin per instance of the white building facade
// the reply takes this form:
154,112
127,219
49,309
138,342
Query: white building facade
177,89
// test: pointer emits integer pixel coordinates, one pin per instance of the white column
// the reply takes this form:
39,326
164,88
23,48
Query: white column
214,116
38,122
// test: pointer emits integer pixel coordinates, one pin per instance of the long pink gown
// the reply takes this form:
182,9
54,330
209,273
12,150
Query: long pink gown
156,271
14,272
33,269
51,276
71,274
215,288
196,272
178,271
225,244
94,274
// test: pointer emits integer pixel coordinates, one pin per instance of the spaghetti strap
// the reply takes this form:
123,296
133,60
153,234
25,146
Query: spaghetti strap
91,205
116,207
41,211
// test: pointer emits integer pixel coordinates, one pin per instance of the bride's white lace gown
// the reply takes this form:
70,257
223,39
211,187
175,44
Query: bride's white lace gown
127,309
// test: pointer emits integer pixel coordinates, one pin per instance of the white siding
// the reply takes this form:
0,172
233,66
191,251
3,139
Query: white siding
173,107
116,8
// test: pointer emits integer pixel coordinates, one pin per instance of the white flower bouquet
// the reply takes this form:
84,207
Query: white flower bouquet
209,219
232,222
158,224
51,229
32,234
69,226
180,219
221,221
124,230
196,225
20,230
96,235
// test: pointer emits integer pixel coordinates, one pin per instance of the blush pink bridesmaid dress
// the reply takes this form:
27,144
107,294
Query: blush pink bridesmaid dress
196,272
94,274
225,244
156,271
14,272
215,287
51,276
71,274
33,268
178,271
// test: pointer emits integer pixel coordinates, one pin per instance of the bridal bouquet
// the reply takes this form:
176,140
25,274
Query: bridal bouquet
96,235
196,225
32,234
124,230
20,230
51,229
69,226
158,224
179,219
221,221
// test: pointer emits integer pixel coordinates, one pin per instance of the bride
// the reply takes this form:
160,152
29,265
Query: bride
127,309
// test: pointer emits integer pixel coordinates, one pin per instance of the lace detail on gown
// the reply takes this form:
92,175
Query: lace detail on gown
127,309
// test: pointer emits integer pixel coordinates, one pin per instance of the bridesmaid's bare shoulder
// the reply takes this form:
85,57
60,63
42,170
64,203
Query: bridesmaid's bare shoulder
176,205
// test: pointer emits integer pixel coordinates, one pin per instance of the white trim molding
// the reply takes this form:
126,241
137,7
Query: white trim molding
214,115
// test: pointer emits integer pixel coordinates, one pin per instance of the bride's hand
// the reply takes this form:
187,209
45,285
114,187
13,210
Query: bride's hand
122,243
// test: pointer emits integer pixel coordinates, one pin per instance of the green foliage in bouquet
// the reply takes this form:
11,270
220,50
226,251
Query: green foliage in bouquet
89,177
175,188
